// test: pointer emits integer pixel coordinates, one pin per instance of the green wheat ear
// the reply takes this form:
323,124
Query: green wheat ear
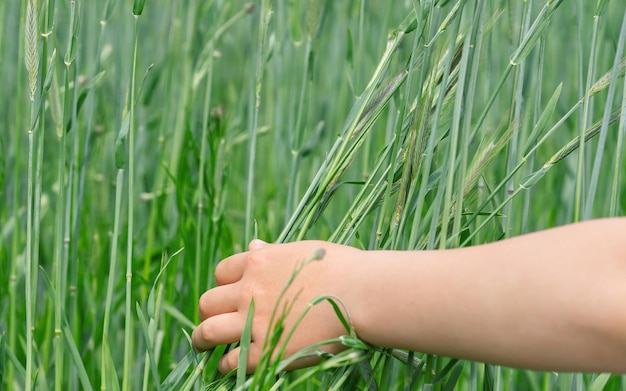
31,56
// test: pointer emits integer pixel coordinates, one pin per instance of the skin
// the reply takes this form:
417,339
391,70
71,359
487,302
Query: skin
553,300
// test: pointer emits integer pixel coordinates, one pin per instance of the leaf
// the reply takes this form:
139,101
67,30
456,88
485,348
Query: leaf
82,97
68,337
3,348
149,345
599,382
451,384
244,347
531,179
110,375
444,372
152,294
175,313
76,358
173,380
354,343
535,31
542,122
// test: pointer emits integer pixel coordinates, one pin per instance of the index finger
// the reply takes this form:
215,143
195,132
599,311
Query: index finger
230,269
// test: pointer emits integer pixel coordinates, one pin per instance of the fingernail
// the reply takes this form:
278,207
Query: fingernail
256,244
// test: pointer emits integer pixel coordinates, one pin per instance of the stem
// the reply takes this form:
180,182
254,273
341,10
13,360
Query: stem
10,375
33,186
252,131
119,185
580,173
201,207
128,327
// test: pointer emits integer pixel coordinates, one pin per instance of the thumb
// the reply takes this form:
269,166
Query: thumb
256,244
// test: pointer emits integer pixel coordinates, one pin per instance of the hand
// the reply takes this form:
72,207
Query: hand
261,273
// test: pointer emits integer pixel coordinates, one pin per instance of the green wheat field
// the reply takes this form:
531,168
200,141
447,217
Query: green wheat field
143,141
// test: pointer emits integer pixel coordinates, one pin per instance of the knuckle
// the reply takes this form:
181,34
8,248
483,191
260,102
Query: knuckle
206,331
219,271
203,306
255,259
244,295
232,361
229,362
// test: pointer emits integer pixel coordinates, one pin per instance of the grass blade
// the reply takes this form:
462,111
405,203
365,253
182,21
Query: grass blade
244,347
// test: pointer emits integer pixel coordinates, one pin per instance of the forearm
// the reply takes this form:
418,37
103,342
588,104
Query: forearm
551,300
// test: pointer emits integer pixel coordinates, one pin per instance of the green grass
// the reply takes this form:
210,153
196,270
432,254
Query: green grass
164,135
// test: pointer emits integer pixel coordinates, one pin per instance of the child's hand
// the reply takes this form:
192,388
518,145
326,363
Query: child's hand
262,273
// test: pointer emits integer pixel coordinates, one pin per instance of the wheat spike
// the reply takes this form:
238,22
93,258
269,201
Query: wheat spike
31,56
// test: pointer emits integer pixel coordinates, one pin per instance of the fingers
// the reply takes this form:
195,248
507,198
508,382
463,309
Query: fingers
231,269
219,300
230,360
218,330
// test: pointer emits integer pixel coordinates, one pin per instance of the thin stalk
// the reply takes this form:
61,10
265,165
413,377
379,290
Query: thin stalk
476,38
201,207
359,52
617,165
591,68
58,278
536,115
60,245
265,16
595,174
12,323
70,201
128,327
581,81
30,269
515,121
425,129
45,73
456,137
299,130
31,58
397,142
434,133
119,185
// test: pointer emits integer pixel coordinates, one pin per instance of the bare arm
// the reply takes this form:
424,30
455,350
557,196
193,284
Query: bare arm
554,300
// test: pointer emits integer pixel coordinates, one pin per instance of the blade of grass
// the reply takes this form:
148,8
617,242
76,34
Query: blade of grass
581,178
148,339
244,347
617,166
128,326
69,105
595,174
